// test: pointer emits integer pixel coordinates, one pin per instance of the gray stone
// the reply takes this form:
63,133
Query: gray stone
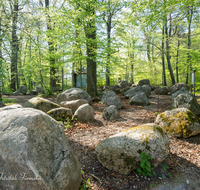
84,113
121,152
176,87
74,104
40,90
187,100
115,88
73,94
179,122
147,90
40,104
157,90
111,113
183,90
123,84
34,92
60,114
144,82
133,91
10,107
21,89
139,99
111,98
163,90
34,149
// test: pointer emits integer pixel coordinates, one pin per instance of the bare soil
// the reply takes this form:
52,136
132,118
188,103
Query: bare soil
183,160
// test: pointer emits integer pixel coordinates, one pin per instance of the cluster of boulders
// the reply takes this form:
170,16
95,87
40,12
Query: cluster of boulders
139,94
22,90
182,98
73,102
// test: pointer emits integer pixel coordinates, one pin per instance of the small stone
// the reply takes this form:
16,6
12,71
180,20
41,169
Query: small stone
149,179
134,187
160,178
187,182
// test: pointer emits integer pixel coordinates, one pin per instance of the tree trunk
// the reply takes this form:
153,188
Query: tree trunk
52,60
177,60
91,47
109,50
168,54
189,21
14,46
163,56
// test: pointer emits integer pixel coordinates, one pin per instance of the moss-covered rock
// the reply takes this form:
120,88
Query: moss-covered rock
179,122
121,152
60,114
40,104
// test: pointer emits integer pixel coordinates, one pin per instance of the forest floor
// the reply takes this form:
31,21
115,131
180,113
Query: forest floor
182,164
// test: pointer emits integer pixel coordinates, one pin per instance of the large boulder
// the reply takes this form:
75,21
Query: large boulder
40,104
10,107
111,98
73,94
179,122
144,82
121,152
35,153
176,87
147,90
84,113
133,91
183,90
111,113
74,104
21,89
139,99
187,100
60,114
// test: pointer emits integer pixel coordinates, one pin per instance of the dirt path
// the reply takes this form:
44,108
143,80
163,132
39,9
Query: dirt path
183,160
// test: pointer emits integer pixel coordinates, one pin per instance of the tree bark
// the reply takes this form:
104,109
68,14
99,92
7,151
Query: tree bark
168,54
189,21
52,60
177,61
14,46
91,47
163,56
108,24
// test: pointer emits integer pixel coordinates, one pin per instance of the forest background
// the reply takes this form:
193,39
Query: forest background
43,42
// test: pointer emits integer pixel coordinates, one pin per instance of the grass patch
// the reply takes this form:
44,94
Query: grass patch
8,101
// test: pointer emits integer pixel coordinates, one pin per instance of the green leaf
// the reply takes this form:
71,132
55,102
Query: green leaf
148,164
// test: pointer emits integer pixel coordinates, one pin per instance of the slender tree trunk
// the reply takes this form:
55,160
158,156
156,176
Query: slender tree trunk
91,47
177,60
163,56
189,20
168,54
109,50
1,41
52,60
14,46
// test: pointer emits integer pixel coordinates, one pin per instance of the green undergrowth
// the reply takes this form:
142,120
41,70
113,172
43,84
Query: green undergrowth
8,101
145,168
